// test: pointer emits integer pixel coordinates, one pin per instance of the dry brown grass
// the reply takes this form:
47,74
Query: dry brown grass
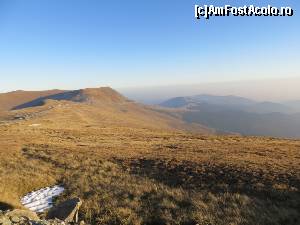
133,173
15,98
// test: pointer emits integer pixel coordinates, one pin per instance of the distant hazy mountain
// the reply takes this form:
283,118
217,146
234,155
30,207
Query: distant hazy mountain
293,104
210,99
239,115
263,89
230,102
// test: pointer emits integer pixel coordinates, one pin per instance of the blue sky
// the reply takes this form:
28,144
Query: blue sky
70,44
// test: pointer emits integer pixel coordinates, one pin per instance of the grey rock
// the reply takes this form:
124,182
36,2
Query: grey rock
66,211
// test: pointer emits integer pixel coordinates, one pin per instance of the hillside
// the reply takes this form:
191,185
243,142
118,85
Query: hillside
12,99
130,166
103,95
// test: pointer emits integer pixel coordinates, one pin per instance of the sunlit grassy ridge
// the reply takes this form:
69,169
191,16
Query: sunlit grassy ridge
128,172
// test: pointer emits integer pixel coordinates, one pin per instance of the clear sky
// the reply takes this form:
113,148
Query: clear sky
70,44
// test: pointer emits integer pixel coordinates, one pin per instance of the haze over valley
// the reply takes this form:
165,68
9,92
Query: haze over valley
239,115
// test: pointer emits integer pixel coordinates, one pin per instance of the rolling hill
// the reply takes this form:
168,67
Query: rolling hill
12,99
90,95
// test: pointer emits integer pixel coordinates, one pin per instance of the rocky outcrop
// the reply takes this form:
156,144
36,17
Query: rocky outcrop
18,216
66,211
22,213
62,214
24,217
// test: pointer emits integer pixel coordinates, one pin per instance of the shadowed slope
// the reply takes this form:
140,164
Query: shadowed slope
12,99
89,95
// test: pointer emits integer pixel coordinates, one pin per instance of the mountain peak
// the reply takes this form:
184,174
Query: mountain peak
102,94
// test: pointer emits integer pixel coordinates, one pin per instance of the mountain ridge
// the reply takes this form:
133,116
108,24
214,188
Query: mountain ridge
12,99
88,95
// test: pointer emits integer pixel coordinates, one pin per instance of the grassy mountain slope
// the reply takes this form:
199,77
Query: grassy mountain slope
12,99
94,96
